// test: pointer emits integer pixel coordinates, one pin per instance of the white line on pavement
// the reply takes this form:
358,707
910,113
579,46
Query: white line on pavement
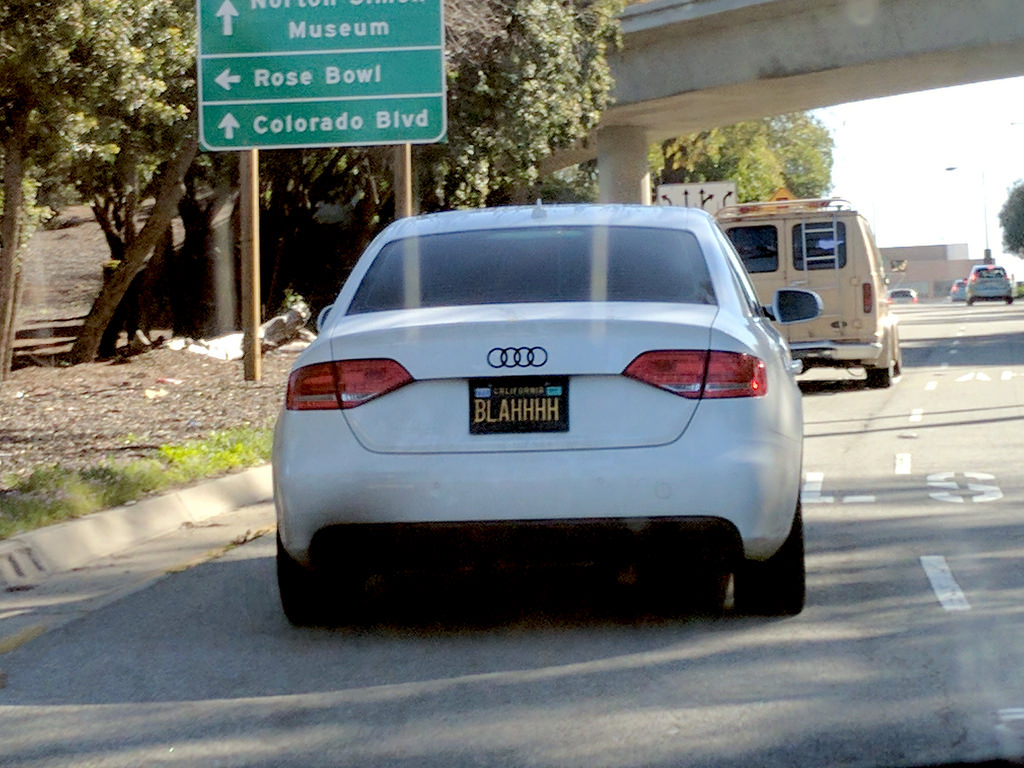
902,464
916,415
931,386
811,492
948,592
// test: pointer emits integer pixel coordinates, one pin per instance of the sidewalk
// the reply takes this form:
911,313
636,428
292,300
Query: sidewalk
29,558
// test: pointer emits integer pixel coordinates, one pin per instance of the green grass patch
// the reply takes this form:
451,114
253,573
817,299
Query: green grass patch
53,494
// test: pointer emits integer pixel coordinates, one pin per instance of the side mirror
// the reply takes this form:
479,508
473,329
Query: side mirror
794,305
322,317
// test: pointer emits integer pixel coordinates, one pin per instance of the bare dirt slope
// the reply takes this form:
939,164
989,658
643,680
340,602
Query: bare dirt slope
81,415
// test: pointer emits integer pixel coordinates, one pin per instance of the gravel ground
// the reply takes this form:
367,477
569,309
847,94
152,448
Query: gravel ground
81,415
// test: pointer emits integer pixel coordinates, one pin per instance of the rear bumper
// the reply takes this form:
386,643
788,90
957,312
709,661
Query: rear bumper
504,545
726,469
836,352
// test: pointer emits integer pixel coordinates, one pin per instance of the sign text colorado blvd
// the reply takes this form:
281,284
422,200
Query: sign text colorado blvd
314,73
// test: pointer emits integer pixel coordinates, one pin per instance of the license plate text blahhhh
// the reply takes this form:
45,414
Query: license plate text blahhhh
516,410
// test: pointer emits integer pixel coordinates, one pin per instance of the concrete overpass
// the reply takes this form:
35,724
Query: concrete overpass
690,65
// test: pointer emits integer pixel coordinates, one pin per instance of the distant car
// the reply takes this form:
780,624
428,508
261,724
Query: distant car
988,282
958,292
903,296
592,383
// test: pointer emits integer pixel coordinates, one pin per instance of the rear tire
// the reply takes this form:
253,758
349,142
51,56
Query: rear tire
301,591
776,586
881,378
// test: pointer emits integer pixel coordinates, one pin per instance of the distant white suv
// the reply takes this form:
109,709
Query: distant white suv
987,282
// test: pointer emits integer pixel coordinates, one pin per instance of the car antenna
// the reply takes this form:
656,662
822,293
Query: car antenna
538,210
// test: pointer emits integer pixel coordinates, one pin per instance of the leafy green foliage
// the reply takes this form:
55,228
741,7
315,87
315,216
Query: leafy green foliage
1011,219
530,80
51,494
792,151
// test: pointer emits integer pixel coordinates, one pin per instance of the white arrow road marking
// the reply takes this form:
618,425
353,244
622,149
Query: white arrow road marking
229,125
227,12
811,492
983,377
965,377
225,79
984,490
948,592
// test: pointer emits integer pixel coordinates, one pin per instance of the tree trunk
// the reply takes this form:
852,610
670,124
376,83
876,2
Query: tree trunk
170,191
14,172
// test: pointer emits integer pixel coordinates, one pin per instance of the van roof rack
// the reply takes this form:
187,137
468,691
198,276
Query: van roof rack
822,204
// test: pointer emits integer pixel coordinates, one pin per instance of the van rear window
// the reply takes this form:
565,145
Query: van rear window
757,246
824,243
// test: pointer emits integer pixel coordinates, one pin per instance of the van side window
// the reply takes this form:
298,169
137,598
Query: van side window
825,243
758,247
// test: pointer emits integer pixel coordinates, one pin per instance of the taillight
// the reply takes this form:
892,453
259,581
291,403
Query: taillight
693,375
680,372
868,295
343,384
733,374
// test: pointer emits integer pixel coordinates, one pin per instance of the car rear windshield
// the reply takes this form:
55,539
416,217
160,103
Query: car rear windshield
991,272
536,264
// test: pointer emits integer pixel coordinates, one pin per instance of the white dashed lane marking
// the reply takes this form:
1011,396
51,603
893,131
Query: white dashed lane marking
946,590
916,415
901,464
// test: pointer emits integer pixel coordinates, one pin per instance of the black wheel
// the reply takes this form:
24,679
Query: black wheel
776,586
970,302
880,378
1009,299
302,594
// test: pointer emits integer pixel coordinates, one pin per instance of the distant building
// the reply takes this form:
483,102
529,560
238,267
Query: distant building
930,270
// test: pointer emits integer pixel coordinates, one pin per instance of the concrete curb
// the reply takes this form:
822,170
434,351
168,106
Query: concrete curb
28,558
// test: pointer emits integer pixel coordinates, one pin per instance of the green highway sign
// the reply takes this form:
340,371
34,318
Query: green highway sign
315,73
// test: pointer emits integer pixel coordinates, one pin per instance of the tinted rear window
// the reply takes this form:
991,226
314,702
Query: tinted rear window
758,246
992,272
537,264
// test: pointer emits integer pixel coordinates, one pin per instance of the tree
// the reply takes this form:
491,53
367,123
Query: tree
792,151
140,129
1011,219
39,47
528,78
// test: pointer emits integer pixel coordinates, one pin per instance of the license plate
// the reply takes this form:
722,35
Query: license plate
519,404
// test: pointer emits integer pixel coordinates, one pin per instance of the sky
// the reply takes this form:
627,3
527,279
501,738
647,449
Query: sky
891,158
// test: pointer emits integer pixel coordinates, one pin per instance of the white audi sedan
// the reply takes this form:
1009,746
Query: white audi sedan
586,385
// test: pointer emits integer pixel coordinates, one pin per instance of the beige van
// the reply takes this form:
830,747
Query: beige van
827,247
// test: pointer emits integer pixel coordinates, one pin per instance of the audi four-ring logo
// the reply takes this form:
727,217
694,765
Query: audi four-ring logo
517,357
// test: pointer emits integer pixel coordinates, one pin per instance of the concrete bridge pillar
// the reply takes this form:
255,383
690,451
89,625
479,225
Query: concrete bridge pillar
623,175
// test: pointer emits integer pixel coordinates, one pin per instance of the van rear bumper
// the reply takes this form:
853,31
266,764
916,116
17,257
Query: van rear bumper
835,352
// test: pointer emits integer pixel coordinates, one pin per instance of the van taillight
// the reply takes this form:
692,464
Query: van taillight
869,298
343,384
696,374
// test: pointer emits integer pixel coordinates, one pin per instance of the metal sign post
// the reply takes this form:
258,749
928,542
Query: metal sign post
249,210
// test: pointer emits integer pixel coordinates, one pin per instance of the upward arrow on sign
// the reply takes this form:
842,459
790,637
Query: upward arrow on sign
227,12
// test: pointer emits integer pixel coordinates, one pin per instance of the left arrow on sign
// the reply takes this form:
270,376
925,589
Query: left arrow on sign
227,12
225,79
229,125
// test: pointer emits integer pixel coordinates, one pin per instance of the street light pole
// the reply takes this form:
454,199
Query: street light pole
984,212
